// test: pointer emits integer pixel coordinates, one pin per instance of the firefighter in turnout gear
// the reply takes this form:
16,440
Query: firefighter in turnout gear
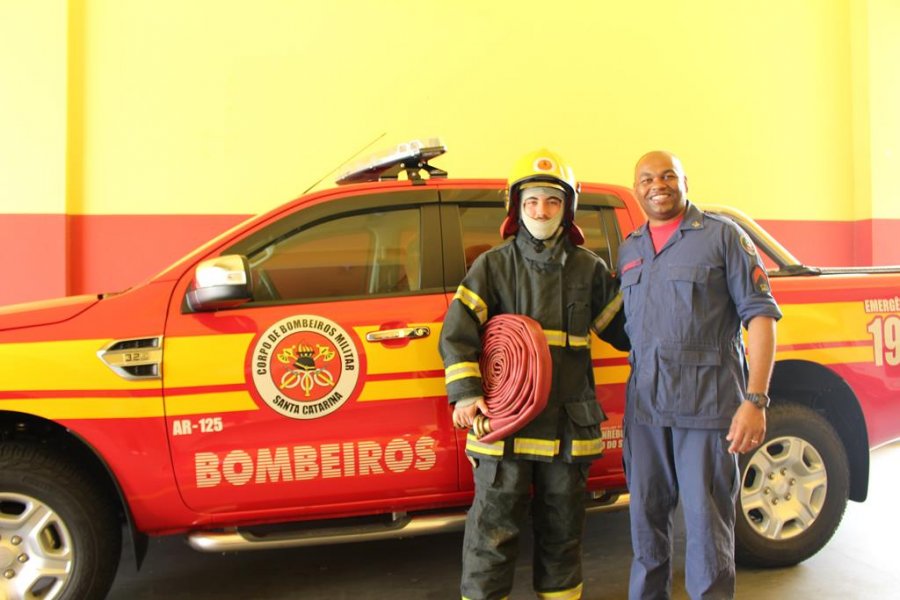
541,272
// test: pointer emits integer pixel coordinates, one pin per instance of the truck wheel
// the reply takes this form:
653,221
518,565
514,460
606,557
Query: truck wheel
794,490
60,538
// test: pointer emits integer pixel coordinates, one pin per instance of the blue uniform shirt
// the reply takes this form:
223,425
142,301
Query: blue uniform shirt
684,308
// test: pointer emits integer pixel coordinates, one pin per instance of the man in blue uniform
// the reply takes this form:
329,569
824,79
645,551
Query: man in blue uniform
543,273
694,399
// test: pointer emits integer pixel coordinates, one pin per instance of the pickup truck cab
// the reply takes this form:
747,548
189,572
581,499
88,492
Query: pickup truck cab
281,386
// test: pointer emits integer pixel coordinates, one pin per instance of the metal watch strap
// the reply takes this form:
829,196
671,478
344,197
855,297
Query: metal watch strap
758,400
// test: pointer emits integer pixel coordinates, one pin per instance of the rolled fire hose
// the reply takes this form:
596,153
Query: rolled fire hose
516,371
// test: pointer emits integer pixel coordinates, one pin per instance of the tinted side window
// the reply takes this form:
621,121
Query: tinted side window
347,256
601,234
481,230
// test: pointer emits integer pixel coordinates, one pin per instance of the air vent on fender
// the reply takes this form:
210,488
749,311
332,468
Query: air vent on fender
135,358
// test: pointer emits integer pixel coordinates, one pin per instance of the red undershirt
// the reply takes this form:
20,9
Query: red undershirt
660,234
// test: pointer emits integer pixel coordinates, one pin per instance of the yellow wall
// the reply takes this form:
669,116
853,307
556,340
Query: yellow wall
784,108
33,106
884,102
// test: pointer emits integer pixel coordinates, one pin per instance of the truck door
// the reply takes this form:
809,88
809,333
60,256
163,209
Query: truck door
327,388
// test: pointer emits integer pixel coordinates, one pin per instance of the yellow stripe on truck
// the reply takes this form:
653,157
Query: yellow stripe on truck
821,323
62,365
616,374
401,389
830,356
87,407
601,350
205,359
219,360
90,407
825,356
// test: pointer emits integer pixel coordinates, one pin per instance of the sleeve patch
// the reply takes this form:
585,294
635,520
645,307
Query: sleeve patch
760,280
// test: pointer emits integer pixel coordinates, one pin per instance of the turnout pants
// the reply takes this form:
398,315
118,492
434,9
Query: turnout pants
498,512
661,464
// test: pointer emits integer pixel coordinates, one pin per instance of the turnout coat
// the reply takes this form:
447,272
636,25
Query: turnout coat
568,290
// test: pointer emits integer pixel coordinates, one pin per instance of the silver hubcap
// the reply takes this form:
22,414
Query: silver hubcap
783,488
36,554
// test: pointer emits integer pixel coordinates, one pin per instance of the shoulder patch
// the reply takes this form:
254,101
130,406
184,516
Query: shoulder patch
760,280
747,244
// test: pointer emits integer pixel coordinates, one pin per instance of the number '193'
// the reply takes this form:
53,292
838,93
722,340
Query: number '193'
886,339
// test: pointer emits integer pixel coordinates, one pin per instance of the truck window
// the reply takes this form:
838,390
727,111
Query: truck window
347,256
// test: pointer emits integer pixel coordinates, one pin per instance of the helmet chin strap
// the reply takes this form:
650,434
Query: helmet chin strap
542,230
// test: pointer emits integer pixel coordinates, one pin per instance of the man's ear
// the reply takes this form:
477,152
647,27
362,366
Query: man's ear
685,184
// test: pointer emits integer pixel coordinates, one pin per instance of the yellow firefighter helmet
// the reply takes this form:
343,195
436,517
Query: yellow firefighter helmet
541,166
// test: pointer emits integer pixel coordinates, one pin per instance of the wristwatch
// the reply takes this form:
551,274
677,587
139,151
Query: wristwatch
758,400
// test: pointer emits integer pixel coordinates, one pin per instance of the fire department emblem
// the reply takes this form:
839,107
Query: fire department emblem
544,164
747,245
760,279
305,367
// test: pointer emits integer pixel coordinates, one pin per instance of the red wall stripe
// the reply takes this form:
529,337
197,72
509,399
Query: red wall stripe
113,252
839,243
56,255
33,251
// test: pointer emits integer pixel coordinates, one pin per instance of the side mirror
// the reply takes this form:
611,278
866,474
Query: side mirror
219,283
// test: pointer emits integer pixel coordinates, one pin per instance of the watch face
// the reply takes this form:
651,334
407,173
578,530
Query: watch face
760,400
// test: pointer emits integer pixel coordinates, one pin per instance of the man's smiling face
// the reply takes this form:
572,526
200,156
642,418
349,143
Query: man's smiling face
660,186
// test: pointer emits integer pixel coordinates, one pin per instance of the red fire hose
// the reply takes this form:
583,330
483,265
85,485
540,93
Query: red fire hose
516,371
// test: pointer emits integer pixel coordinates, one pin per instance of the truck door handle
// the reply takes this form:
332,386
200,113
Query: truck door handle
412,333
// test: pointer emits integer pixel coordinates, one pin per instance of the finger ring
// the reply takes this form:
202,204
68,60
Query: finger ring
752,441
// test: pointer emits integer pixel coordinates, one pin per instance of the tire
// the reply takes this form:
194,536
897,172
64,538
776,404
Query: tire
793,491
60,536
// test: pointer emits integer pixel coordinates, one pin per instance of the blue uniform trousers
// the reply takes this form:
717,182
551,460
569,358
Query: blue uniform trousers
661,464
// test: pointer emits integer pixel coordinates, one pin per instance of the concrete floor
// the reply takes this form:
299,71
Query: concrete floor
859,562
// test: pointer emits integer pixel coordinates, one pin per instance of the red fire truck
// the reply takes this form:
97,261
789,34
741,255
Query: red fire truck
283,380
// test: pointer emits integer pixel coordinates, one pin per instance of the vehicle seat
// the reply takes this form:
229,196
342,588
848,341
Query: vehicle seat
473,252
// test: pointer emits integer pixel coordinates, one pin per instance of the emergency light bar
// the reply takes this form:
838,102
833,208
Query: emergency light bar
411,157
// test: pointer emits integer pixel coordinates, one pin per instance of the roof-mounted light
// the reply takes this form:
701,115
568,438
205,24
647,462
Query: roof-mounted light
411,157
